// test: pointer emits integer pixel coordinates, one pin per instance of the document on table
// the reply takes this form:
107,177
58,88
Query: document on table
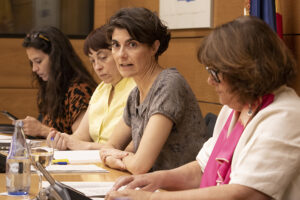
5,137
73,169
79,156
90,189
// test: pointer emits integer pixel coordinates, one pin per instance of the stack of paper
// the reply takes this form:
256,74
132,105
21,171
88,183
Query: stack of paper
79,156
90,189
5,137
74,168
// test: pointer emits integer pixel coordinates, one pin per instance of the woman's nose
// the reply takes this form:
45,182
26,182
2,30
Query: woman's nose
211,81
98,66
34,68
122,52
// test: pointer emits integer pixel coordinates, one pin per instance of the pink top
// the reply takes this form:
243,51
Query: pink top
218,168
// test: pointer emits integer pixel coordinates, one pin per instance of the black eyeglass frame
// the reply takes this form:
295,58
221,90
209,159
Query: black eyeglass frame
214,74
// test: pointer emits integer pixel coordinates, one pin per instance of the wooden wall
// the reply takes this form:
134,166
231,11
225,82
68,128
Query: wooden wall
17,94
291,32
184,43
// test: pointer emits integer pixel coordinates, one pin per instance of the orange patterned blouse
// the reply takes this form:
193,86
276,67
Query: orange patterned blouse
76,101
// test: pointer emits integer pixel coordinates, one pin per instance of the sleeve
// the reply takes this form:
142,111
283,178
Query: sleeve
204,153
208,146
269,162
169,98
78,99
129,107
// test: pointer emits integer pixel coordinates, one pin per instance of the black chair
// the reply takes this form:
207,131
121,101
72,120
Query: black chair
210,120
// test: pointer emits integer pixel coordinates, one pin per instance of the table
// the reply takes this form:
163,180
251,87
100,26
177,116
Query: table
67,177
90,177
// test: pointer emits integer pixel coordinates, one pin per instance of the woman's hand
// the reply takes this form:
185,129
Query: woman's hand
118,154
113,158
148,182
57,139
115,163
34,127
129,195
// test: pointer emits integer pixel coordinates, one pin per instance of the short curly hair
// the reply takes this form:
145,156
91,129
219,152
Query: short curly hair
253,60
142,25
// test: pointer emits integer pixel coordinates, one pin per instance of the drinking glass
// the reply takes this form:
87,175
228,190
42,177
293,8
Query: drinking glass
41,152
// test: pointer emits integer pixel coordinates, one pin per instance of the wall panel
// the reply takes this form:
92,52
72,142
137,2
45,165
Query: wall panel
293,41
225,11
209,108
103,9
14,66
19,102
150,4
185,60
290,10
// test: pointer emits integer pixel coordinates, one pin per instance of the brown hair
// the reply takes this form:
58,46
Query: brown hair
96,40
253,60
142,25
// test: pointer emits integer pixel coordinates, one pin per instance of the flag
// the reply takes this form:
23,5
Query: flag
264,9
247,8
278,19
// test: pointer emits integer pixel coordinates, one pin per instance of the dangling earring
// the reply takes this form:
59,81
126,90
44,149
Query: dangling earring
250,112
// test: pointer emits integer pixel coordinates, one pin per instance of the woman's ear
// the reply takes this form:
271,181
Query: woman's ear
155,47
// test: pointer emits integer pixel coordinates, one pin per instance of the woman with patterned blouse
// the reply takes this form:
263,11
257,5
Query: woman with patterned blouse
64,84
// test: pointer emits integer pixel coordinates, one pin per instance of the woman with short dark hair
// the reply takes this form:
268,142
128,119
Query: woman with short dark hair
254,152
107,102
64,84
162,122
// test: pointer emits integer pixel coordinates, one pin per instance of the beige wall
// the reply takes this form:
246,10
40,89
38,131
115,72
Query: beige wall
18,96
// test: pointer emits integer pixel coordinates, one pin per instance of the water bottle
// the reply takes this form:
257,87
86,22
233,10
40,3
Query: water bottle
18,164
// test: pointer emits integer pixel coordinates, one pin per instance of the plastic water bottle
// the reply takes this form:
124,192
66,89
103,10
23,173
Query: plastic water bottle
18,164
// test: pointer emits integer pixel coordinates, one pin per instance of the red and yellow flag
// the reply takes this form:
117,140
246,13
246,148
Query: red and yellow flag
278,18
267,10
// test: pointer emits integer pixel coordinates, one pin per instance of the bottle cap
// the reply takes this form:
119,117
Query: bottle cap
19,123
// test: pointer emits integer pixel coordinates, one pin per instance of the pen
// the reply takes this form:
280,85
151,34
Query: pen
60,161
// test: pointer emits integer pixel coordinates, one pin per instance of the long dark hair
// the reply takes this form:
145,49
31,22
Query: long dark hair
66,68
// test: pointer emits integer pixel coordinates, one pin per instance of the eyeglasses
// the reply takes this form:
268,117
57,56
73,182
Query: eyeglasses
38,35
214,74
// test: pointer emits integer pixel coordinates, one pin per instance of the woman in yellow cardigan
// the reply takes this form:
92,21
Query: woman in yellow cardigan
107,103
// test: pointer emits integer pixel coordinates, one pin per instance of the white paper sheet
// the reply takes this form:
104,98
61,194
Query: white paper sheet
90,189
5,137
73,169
79,156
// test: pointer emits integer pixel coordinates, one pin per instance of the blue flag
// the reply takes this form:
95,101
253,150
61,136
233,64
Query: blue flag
264,9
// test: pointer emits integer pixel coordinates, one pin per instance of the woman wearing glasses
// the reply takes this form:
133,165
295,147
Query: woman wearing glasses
162,122
64,84
254,152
